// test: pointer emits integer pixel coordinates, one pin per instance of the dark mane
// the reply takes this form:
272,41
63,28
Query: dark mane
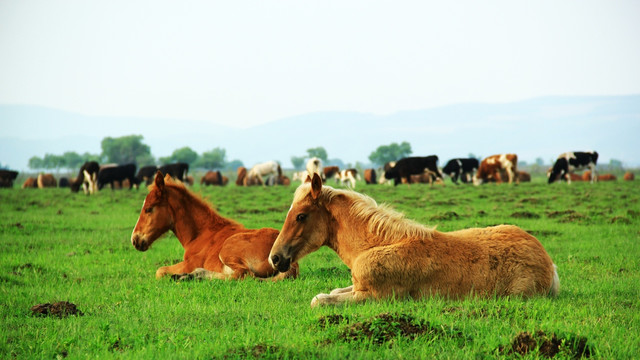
195,201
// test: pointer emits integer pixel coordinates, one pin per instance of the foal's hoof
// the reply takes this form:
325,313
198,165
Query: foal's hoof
318,300
182,277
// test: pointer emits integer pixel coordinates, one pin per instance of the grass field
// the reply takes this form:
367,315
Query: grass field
57,246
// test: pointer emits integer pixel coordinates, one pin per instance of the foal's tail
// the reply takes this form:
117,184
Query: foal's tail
555,283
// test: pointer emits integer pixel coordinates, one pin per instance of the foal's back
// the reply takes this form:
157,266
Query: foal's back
501,260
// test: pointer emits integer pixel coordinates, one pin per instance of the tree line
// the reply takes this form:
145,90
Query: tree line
131,149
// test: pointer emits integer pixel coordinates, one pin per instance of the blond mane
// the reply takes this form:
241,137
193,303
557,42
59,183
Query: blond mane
382,220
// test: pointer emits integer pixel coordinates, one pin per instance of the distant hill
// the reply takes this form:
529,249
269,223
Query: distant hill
536,128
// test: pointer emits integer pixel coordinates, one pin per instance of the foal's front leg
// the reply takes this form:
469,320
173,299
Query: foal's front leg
178,268
200,274
336,297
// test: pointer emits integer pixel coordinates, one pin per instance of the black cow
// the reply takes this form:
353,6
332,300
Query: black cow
7,177
109,174
177,171
406,167
568,162
146,174
87,178
64,182
461,168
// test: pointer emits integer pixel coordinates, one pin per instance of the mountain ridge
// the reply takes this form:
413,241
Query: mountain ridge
540,127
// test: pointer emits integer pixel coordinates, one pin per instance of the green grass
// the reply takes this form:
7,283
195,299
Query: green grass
60,246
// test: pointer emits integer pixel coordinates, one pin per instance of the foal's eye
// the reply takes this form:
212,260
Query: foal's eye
148,210
301,217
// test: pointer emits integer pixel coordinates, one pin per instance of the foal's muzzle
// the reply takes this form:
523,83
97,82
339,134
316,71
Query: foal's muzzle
281,263
139,242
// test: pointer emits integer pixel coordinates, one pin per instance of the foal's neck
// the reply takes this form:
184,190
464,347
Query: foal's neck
192,217
350,240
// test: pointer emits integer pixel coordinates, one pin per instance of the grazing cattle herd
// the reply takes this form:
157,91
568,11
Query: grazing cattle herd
497,168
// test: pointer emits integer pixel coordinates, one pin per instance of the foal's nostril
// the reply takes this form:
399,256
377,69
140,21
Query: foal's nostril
275,259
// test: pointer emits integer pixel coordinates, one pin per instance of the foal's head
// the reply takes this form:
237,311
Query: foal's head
306,228
155,217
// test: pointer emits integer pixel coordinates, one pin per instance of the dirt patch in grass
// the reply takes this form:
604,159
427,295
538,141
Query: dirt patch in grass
386,327
449,215
548,346
525,215
555,214
19,270
119,346
329,320
543,233
60,309
620,220
530,200
576,217
250,211
258,351
566,216
633,214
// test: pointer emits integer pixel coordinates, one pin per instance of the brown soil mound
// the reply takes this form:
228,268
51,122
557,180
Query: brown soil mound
385,327
525,215
548,345
58,309
329,320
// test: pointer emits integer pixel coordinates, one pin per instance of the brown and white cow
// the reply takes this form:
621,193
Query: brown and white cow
212,178
329,172
491,166
349,177
370,176
46,181
314,165
30,183
586,176
628,176
524,176
242,175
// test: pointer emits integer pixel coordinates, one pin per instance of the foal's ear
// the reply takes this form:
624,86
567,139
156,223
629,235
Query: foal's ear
316,186
159,181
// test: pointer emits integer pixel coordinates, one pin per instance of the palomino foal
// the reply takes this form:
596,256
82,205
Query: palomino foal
391,256
214,247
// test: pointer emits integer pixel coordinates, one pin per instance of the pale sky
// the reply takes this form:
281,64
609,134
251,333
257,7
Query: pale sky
241,63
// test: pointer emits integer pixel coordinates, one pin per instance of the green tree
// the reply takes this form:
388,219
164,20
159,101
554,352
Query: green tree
234,165
184,154
318,152
391,152
90,157
214,159
52,161
615,164
125,149
297,162
72,160
36,163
